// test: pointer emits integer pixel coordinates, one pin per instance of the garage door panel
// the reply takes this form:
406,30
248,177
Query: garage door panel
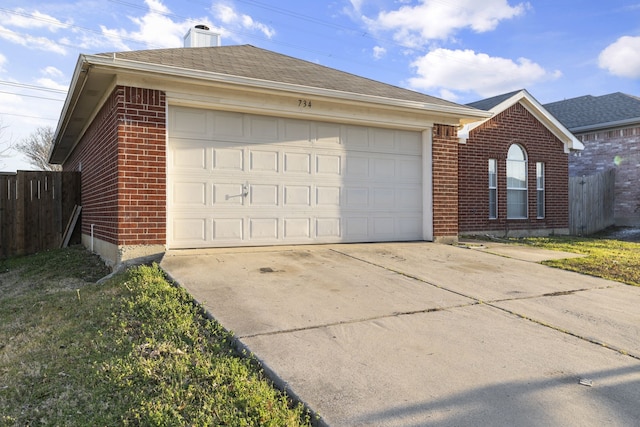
227,125
357,167
263,228
263,161
328,164
263,194
189,230
231,159
328,135
297,228
189,194
268,180
328,196
410,170
297,163
189,123
297,195
262,129
409,143
356,228
384,169
356,198
383,139
328,228
191,156
228,230
298,132
228,194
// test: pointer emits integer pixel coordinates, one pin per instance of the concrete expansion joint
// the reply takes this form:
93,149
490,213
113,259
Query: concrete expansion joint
567,332
355,321
478,301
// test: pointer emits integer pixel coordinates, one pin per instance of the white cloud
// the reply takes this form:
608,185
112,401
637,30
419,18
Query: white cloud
21,18
155,29
414,25
622,58
52,72
465,71
238,21
32,42
379,52
3,60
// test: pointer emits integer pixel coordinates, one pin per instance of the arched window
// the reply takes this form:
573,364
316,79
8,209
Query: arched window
516,182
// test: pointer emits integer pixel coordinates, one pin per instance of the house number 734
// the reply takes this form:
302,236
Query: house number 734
304,103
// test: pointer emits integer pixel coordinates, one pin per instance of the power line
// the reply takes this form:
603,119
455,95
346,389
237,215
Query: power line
27,116
33,87
31,96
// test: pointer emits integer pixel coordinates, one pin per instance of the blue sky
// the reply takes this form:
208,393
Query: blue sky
460,50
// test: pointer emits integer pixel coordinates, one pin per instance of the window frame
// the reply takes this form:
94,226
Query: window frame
520,165
540,190
493,188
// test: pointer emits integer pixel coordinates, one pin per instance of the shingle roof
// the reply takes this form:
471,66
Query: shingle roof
489,103
252,62
589,111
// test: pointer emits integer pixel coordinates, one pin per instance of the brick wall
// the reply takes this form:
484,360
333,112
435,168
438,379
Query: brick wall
618,149
445,181
492,141
122,159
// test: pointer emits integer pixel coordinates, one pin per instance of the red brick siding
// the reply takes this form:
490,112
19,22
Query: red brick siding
445,181
123,157
492,141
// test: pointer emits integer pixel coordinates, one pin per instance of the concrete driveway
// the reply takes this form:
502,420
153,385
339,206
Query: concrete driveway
420,334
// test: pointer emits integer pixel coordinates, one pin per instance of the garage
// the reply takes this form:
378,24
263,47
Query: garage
239,179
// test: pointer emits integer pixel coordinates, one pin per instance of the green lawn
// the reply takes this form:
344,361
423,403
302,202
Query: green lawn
134,350
607,258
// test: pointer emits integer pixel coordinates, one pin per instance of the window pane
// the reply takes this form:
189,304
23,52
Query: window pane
493,173
540,203
516,153
493,203
540,189
516,204
516,174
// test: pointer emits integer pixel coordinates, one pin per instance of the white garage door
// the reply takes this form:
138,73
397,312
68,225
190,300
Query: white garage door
240,180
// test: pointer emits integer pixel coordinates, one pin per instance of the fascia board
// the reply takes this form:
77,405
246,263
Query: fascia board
465,114
75,89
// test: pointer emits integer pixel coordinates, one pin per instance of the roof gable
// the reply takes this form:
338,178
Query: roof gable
500,103
596,112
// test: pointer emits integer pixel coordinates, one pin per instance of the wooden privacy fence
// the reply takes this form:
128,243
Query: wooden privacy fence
36,208
591,203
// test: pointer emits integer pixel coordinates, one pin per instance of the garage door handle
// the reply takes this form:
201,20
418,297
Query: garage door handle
245,190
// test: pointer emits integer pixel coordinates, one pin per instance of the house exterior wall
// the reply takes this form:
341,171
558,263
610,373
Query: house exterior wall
122,160
618,149
445,183
492,140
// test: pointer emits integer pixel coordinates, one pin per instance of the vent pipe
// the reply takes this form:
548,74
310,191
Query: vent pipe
201,36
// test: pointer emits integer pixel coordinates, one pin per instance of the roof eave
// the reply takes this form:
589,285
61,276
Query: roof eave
606,125
465,113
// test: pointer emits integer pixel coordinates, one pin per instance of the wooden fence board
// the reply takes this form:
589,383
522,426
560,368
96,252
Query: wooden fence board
591,203
34,210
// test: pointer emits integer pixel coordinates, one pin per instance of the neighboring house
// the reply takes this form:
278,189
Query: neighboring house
513,170
239,146
609,127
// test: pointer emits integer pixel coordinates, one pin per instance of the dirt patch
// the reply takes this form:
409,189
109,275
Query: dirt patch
627,234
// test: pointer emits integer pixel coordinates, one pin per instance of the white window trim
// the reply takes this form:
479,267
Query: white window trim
493,188
526,181
540,173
